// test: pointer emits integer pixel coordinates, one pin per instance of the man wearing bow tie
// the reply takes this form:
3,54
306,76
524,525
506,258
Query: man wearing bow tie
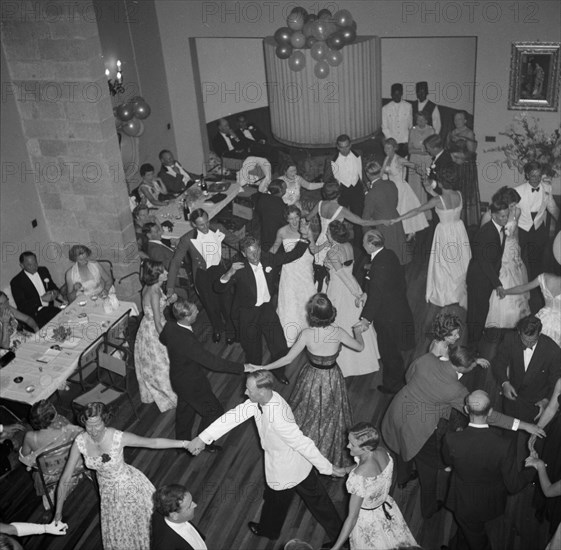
156,249
253,281
536,198
173,175
227,144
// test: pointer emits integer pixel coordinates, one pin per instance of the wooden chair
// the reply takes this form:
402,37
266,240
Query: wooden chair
87,364
112,385
50,466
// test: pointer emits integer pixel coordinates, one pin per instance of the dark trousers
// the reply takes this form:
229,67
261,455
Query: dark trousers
202,402
259,322
45,314
217,306
472,535
314,495
393,371
477,309
353,199
402,150
532,245
427,461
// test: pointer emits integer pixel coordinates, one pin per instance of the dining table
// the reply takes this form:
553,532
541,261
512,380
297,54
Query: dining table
42,364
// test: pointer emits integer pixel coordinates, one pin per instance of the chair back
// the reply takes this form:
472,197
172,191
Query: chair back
108,264
87,363
116,335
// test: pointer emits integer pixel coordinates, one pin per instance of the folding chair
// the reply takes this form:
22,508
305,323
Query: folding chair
86,364
50,466
116,334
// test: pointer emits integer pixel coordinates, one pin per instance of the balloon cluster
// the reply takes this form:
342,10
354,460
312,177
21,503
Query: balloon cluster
324,34
129,116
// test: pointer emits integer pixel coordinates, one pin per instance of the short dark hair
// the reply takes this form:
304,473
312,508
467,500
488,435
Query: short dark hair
342,138
42,414
26,254
444,324
529,326
367,435
94,409
498,205
531,166
138,209
249,241
375,237
168,499
276,187
263,378
78,250
148,226
181,308
391,141
339,232
320,311
150,271
462,356
396,87
423,85
162,153
433,141
507,194
146,168
196,214
331,190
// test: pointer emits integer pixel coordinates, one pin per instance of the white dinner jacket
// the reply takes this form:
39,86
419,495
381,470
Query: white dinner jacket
547,203
397,120
289,454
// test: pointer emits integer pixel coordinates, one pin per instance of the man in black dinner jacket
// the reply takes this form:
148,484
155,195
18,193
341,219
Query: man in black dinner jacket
484,267
187,360
388,310
252,307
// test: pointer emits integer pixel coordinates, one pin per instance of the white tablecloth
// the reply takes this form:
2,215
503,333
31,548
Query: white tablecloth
39,380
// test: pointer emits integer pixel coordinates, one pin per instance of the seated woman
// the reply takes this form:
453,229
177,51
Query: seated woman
11,337
49,431
86,277
153,191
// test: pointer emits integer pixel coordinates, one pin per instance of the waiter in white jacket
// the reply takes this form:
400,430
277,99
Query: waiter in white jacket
290,458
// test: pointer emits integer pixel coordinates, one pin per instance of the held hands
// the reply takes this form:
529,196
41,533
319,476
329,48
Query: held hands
509,392
196,446
339,472
171,298
532,429
361,300
248,367
534,462
542,404
304,228
483,363
56,528
362,326
500,292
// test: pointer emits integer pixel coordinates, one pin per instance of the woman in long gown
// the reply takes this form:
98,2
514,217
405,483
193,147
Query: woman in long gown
296,285
419,157
506,312
393,169
463,137
86,277
150,355
125,492
374,521
319,400
550,314
347,297
450,252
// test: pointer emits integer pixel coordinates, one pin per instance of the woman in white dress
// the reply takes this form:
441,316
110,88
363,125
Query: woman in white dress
374,521
450,252
296,285
294,183
393,169
347,296
506,312
86,277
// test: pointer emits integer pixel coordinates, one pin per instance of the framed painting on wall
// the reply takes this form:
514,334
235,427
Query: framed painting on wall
534,76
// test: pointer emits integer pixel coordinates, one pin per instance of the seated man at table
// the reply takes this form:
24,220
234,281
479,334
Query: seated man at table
34,291
227,144
175,178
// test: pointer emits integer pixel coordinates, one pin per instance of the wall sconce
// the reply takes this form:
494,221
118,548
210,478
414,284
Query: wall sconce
115,85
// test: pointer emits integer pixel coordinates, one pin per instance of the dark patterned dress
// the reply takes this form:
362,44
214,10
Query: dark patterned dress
321,407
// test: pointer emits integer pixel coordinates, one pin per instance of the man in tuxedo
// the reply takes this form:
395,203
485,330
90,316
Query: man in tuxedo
483,472
34,291
426,106
249,131
187,360
226,143
397,120
270,211
536,199
156,249
290,458
171,521
484,267
442,164
527,366
388,310
173,175
253,281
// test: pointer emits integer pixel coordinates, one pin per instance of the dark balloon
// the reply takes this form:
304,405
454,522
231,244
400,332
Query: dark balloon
318,51
349,35
125,112
310,41
334,57
282,36
284,51
141,109
133,128
320,30
301,10
297,61
335,41
354,25
307,29
343,18
324,15
321,70
295,21
298,40
310,18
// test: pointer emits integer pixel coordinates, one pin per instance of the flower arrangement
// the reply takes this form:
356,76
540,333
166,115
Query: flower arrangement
528,142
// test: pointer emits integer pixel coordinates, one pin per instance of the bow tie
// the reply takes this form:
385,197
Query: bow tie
535,189
260,408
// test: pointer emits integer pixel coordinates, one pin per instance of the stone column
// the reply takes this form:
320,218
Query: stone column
58,79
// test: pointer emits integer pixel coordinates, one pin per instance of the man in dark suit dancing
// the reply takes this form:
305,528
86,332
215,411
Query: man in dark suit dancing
34,291
187,360
171,521
270,210
484,267
252,307
388,310
484,471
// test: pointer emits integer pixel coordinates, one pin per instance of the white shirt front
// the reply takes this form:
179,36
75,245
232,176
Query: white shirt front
263,295
209,246
38,284
247,134
499,228
228,141
537,202
374,254
397,120
347,170
289,454
187,532
528,354
160,243
170,170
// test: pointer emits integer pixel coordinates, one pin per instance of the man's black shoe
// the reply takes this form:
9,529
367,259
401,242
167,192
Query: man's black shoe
255,528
